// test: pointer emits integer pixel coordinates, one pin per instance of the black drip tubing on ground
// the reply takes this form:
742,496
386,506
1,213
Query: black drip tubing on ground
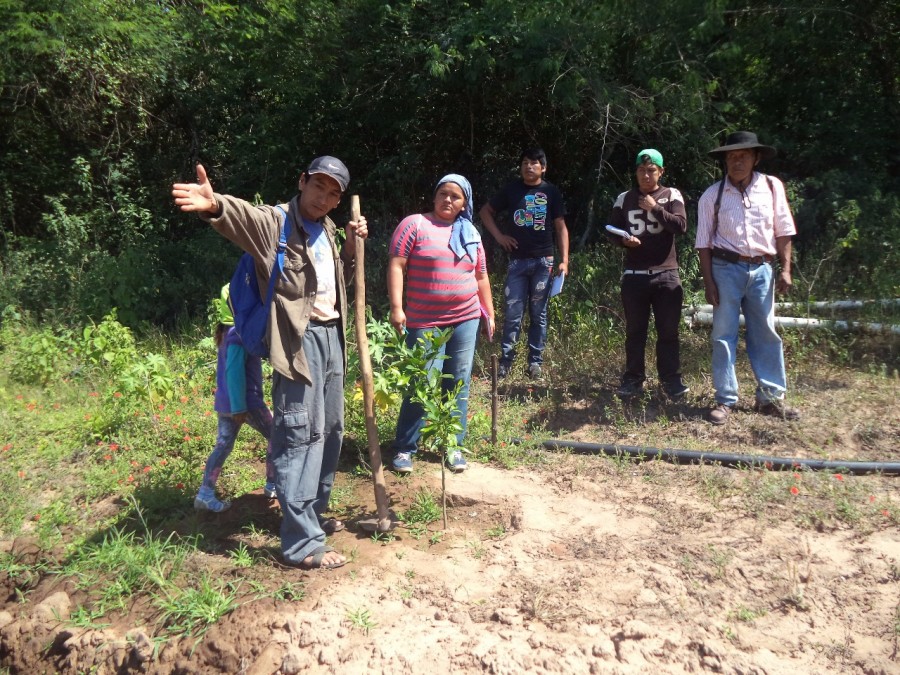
723,458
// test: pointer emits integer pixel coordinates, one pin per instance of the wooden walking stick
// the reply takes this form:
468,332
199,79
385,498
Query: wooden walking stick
382,521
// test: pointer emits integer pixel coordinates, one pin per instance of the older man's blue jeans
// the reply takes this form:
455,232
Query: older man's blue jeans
460,353
750,288
527,283
306,440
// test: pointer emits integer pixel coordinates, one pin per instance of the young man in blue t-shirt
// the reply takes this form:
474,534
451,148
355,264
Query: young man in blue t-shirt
535,215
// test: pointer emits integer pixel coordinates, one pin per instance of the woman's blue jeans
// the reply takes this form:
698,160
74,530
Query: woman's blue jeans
750,288
460,352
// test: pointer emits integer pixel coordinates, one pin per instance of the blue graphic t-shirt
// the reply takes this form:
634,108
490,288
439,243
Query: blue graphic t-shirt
530,212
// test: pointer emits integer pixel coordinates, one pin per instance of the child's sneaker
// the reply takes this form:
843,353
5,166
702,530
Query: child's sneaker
210,504
403,462
458,462
269,490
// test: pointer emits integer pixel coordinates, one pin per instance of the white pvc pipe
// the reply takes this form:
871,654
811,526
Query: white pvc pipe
838,304
792,322
827,304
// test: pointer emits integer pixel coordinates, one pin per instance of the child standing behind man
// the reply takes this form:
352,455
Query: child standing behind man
239,399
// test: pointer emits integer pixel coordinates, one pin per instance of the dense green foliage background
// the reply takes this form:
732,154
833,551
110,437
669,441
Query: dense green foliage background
106,102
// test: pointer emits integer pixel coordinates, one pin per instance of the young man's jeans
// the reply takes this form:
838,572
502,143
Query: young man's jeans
306,442
259,419
460,350
663,293
527,281
751,288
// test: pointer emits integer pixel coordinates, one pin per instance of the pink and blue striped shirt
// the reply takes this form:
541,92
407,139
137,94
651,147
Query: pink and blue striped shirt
441,290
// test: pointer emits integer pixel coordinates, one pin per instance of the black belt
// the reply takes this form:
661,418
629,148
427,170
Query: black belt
734,257
642,272
325,324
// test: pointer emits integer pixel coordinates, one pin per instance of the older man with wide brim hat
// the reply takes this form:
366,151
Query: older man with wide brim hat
744,226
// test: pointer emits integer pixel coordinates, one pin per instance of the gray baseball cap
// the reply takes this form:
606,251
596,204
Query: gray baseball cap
331,166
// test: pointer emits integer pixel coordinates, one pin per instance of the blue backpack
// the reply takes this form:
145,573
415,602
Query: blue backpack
251,313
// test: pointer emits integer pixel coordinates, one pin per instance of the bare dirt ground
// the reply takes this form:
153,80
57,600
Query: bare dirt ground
578,564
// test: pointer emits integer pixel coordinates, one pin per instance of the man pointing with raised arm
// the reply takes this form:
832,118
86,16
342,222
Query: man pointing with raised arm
306,340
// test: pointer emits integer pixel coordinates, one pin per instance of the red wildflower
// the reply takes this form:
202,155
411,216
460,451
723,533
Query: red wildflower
37,516
117,394
21,474
147,469
885,513
7,447
797,476
163,462
180,486
161,407
107,457
207,413
184,399
19,397
838,476
186,438
178,413
130,478
93,394
795,490
769,465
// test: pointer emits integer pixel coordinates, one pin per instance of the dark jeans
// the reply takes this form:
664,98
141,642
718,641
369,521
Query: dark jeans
661,292
527,284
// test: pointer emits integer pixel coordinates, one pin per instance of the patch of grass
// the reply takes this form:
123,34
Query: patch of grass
424,509
191,610
122,565
290,592
383,538
242,556
495,532
720,560
82,617
361,619
746,614
715,483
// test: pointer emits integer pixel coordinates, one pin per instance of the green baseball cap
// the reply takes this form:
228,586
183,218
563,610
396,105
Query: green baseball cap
223,309
655,156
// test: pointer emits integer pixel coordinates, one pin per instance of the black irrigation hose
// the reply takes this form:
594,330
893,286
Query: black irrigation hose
723,458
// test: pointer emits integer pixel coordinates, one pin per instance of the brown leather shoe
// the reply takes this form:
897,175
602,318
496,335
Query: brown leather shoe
777,409
719,414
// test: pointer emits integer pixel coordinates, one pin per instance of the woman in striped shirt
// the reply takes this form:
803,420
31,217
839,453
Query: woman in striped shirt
441,258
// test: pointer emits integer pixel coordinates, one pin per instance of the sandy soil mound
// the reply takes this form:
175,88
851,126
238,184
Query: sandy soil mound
581,567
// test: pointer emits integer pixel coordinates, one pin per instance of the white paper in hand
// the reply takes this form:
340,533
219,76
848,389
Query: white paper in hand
617,231
557,284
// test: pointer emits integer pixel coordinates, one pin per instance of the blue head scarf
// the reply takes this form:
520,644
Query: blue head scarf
464,238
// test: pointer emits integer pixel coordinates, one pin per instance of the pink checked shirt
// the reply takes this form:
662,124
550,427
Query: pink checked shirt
748,223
